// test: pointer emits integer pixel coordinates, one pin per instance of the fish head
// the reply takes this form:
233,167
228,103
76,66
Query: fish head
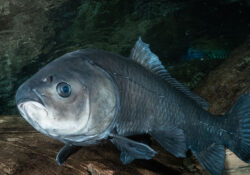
71,99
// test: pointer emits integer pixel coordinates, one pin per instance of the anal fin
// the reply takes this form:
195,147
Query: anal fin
172,139
211,158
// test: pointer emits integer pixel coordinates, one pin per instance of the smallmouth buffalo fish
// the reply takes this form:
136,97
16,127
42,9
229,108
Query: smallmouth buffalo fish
88,96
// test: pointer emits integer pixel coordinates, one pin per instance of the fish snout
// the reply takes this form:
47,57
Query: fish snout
26,93
22,93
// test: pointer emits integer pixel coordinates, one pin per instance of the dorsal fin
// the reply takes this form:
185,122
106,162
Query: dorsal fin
142,54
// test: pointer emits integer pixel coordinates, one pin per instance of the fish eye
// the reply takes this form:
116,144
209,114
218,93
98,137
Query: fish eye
63,89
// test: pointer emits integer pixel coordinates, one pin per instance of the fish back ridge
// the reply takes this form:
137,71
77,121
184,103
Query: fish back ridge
142,54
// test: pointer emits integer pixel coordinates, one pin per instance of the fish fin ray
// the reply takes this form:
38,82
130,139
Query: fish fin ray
131,149
172,139
126,157
239,115
65,152
142,54
211,158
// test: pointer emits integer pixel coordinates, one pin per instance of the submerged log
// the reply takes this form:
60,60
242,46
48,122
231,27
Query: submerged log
24,151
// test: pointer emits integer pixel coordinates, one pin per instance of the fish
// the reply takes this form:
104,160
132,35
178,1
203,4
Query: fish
193,54
196,54
91,96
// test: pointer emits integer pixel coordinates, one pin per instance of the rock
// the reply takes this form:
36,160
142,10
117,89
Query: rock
235,166
32,33
231,79
25,35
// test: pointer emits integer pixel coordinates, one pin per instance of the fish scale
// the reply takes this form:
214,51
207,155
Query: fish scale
131,111
168,104
157,108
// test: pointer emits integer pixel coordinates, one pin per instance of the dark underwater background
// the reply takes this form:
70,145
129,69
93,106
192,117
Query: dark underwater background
205,44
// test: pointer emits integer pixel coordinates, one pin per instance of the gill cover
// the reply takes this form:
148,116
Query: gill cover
104,100
103,104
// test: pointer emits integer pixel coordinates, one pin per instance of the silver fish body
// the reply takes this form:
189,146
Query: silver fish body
90,95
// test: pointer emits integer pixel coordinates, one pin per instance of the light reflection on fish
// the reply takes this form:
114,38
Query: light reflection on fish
87,96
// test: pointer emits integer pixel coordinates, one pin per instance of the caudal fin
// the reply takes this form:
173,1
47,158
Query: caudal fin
239,115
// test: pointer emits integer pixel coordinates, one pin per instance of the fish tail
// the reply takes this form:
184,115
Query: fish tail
235,136
239,117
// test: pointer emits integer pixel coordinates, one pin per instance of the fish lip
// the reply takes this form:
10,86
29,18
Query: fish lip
22,101
38,99
27,117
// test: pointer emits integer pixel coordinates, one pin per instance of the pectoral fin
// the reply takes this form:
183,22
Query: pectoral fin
126,157
65,152
131,150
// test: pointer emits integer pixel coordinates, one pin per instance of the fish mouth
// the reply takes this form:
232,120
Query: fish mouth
32,108
33,112
35,100
29,108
